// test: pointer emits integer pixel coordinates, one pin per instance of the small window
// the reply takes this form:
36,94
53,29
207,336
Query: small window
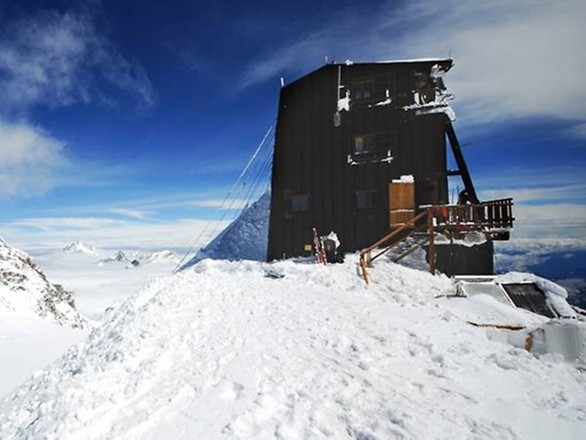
300,202
371,148
364,144
423,90
363,90
366,199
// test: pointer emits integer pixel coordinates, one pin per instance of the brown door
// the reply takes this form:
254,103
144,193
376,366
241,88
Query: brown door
401,202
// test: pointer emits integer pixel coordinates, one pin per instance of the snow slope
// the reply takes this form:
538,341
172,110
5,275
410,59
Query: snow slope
29,342
246,238
26,291
222,351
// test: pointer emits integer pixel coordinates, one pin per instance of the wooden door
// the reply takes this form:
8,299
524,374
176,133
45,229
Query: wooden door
401,202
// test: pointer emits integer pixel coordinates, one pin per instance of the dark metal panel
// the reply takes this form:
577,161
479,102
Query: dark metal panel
311,155
453,259
529,297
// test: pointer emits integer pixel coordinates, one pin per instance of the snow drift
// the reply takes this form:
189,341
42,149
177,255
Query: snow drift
24,289
222,351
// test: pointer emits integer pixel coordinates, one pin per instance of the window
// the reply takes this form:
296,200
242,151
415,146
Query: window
366,198
300,202
363,90
423,90
364,144
371,148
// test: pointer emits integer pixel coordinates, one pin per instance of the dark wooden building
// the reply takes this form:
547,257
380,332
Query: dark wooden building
344,133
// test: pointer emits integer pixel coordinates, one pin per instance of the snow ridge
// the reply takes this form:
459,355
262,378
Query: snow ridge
220,350
26,290
246,238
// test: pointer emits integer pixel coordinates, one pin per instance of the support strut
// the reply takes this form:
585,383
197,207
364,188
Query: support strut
462,167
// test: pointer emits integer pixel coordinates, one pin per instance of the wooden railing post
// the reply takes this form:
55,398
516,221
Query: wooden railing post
431,251
363,268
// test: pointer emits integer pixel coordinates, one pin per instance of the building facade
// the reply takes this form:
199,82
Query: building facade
344,133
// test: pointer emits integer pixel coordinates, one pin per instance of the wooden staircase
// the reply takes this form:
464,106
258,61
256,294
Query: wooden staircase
493,218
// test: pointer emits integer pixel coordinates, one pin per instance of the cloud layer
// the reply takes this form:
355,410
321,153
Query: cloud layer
106,232
513,59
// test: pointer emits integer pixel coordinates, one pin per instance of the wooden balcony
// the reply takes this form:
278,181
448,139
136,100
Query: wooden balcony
493,218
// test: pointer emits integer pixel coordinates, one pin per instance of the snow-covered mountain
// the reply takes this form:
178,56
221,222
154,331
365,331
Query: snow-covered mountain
24,289
246,238
119,256
141,258
220,350
155,257
78,247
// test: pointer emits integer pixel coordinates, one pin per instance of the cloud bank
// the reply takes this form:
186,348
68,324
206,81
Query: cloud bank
56,232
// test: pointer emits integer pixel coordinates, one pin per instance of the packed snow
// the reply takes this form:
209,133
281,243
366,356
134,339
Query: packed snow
245,349
28,344
220,350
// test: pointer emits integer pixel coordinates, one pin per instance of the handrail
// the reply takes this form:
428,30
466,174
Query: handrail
406,226
493,214
395,232
490,214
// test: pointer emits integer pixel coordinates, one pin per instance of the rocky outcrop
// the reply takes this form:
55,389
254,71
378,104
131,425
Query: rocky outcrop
24,289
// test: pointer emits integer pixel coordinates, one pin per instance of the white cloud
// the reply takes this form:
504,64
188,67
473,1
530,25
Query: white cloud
30,160
302,53
55,59
229,204
59,59
552,221
541,194
520,60
513,59
132,213
548,185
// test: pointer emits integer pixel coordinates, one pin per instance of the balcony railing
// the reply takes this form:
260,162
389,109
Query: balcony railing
493,218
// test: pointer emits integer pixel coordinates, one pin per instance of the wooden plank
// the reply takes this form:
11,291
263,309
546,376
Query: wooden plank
401,195
401,217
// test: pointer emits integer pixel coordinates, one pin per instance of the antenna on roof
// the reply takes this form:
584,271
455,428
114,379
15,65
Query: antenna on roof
282,82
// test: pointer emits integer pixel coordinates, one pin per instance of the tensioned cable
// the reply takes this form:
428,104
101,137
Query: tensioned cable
228,197
244,195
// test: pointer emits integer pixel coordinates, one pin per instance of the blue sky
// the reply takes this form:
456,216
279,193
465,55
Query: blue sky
125,122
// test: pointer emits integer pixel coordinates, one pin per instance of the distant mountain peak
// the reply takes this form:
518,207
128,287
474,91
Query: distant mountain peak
80,248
